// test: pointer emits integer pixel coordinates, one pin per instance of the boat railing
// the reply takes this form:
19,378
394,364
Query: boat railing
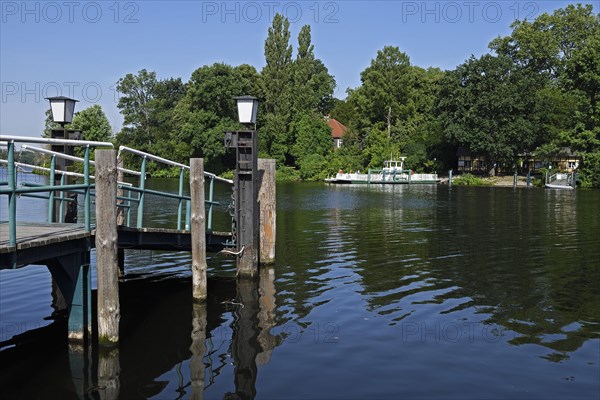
562,178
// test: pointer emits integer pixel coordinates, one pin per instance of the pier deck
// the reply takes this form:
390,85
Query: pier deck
37,242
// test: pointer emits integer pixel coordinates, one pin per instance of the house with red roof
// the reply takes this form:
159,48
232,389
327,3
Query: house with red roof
337,131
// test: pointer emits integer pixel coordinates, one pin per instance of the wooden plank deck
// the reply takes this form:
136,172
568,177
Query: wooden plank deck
38,242
39,234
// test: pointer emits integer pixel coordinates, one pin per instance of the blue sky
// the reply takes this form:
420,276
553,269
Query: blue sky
81,48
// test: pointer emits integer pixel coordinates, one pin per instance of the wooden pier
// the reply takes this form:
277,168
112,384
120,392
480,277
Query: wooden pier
65,248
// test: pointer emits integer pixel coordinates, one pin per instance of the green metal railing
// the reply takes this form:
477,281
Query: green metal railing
131,194
13,191
181,198
53,172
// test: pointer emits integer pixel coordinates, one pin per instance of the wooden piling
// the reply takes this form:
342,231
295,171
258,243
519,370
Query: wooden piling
198,229
268,210
106,248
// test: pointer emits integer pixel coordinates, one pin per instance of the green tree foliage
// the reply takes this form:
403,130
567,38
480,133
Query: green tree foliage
276,80
489,105
312,145
564,48
147,105
292,88
391,112
537,92
208,109
313,86
343,111
135,103
383,98
93,124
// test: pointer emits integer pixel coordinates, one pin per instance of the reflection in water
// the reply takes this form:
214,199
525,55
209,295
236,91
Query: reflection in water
163,352
108,374
198,348
417,292
252,341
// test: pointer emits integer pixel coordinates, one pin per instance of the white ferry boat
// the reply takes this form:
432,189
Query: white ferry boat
393,172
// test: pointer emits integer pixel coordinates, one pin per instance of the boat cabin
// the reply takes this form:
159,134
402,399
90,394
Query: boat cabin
394,165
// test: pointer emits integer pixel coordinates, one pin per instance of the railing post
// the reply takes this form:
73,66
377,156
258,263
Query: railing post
211,189
52,181
86,182
188,212
120,191
140,214
450,178
121,211
180,205
12,196
106,248
198,229
59,217
268,210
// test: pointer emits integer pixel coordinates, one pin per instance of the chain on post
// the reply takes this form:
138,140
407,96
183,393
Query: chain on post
232,213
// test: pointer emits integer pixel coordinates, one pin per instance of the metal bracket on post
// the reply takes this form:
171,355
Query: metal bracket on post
246,213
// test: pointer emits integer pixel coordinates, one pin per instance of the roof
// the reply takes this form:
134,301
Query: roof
337,128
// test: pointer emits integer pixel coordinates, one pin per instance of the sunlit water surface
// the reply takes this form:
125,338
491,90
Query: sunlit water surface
377,292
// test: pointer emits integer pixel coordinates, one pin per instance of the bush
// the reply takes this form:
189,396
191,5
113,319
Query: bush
287,174
471,180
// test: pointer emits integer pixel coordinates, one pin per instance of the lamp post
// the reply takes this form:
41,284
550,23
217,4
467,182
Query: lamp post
247,213
247,109
62,109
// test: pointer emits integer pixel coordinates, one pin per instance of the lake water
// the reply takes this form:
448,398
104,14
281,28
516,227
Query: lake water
377,292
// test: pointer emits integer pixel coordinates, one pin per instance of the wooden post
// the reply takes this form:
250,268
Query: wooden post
120,214
268,210
107,269
198,229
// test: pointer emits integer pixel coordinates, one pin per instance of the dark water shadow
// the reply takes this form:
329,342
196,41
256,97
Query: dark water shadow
161,331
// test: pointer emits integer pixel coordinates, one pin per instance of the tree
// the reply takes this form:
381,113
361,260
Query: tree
564,48
547,43
391,111
277,72
489,105
93,124
135,103
383,97
313,141
343,111
313,86
208,109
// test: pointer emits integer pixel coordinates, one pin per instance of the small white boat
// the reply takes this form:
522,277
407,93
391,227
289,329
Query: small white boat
559,186
393,173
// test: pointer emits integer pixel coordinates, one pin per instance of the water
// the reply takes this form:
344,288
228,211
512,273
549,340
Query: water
382,292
